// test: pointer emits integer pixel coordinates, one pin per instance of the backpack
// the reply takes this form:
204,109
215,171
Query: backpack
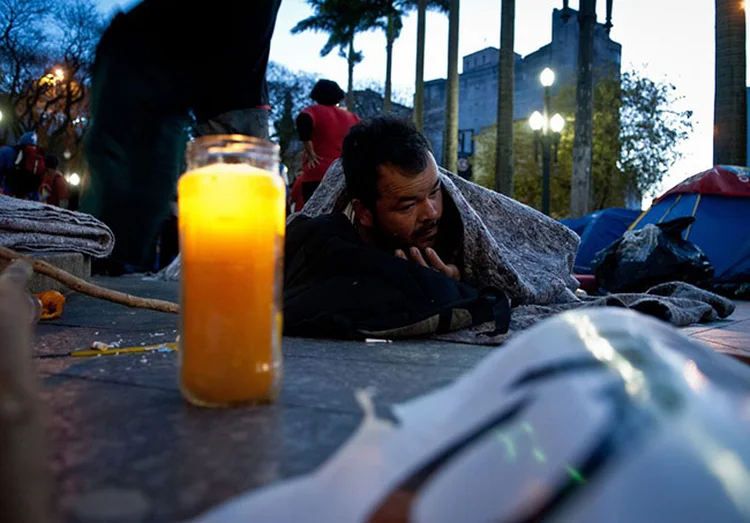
28,171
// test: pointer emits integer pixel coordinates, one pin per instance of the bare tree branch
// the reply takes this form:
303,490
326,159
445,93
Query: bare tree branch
38,37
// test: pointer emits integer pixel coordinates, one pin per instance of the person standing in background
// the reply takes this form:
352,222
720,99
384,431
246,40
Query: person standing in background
321,128
155,65
22,168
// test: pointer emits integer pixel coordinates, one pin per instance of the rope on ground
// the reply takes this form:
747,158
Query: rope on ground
79,285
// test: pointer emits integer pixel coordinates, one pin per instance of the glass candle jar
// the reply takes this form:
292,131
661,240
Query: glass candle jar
232,213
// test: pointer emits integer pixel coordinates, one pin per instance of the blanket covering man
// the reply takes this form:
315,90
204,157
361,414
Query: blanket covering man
336,286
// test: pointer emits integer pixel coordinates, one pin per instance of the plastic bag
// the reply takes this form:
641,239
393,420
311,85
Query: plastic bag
650,256
595,415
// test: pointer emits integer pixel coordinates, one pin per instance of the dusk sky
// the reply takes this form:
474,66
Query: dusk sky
662,39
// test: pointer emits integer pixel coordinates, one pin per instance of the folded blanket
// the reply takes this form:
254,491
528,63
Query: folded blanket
37,227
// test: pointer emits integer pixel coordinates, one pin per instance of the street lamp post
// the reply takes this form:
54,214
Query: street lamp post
546,130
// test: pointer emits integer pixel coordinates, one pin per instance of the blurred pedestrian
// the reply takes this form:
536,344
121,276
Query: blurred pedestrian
22,168
321,128
155,65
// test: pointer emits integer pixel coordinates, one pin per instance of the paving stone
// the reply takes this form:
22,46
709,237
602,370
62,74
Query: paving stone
184,460
742,311
736,335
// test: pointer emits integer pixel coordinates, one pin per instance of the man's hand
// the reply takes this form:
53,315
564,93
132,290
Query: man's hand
434,260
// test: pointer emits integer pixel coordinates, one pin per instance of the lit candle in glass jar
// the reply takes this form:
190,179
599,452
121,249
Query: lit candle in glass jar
232,212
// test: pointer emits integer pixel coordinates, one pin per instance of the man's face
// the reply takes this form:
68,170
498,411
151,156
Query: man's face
408,209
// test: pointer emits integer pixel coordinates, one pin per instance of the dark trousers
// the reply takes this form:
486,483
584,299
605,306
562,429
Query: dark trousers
134,149
140,103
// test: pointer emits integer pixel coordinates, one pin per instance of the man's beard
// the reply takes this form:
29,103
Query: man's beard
387,241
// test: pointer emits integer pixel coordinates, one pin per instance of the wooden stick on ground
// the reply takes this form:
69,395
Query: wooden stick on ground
84,287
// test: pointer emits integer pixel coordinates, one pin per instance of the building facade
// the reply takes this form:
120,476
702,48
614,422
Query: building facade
478,82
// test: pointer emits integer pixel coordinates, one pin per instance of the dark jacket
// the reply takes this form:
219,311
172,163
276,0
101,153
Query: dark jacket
338,287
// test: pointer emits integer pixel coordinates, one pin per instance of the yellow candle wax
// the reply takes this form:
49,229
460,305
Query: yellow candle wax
231,219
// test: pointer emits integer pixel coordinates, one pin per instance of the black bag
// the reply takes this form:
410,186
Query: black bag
650,256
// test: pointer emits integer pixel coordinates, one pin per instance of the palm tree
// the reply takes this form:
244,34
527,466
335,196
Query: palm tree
342,20
422,6
450,140
393,24
505,97
730,98
419,79
391,21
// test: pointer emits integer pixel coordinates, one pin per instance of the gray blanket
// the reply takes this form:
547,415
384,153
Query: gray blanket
510,246
37,227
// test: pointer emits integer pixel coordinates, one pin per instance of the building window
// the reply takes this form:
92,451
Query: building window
466,142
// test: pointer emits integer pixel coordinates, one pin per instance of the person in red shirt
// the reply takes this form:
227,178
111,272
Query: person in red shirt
54,188
321,128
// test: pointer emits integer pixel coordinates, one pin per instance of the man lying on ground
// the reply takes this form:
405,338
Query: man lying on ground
397,195
389,245
394,259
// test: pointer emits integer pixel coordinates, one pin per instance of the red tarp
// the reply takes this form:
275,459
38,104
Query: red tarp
726,180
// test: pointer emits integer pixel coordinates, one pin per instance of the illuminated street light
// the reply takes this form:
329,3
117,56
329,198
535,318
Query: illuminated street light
557,123
536,121
74,179
59,74
547,133
547,77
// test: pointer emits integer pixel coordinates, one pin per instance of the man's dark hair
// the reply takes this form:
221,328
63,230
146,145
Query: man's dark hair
381,140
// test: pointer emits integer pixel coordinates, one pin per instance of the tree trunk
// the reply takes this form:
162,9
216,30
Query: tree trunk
419,83
730,98
580,187
505,98
450,141
350,81
389,38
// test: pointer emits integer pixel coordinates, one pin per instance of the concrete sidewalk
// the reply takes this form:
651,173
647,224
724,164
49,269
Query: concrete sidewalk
122,438
730,336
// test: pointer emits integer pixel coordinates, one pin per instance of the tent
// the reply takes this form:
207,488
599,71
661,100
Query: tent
597,230
719,199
